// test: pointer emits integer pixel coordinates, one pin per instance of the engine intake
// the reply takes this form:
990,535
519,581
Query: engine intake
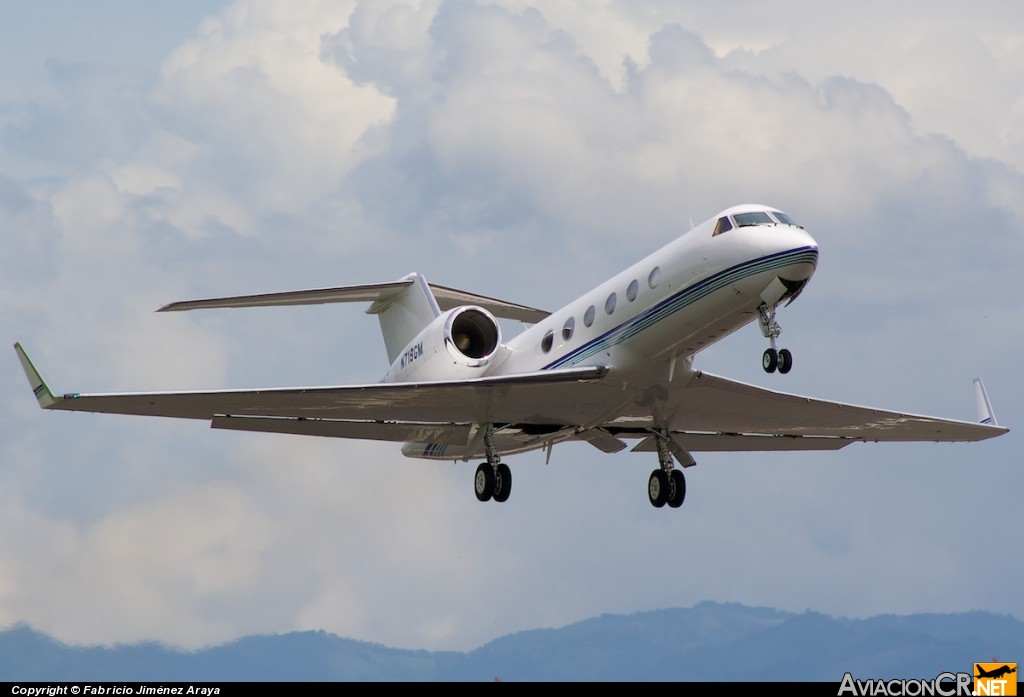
458,344
471,332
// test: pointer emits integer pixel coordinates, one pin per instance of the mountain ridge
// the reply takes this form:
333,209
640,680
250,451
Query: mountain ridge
707,642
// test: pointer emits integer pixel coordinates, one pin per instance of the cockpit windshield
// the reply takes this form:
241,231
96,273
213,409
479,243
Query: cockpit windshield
751,218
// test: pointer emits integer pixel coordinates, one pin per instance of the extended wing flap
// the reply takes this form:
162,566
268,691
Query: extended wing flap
716,404
602,440
396,432
745,442
447,298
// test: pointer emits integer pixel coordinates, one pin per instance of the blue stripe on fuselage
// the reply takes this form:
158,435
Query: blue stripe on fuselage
685,297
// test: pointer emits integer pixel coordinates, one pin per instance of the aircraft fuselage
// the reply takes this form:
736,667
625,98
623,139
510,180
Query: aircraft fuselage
649,320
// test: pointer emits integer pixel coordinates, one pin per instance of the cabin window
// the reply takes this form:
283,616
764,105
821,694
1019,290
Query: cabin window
723,225
588,316
753,218
609,304
632,290
567,328
652,280
545,343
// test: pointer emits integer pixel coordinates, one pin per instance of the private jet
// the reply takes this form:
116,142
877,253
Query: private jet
613,366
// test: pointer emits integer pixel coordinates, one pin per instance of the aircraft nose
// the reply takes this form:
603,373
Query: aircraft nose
802,258
803,250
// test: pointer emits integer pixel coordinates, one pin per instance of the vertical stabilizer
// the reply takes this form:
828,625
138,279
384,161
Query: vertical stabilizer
984,412
406,315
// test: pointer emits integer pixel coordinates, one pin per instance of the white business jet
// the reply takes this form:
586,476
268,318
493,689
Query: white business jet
614,365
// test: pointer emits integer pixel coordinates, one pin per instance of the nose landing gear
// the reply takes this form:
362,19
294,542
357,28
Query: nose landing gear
773,358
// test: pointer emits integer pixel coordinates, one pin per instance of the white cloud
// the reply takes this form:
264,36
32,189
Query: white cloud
253,83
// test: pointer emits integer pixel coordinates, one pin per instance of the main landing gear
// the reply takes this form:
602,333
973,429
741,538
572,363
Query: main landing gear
493,478
666,485
493,482
773,358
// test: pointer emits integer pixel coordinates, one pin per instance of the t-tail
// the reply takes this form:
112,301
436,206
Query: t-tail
405,314
430,332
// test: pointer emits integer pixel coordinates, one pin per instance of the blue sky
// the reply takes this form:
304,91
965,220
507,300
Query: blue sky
152,154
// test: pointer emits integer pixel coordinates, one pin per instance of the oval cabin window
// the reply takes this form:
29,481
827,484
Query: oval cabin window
652,280
567,328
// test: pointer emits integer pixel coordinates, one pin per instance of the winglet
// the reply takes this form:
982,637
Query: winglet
984,411
35,381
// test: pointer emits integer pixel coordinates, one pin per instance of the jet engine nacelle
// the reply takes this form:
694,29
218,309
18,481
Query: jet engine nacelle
458,344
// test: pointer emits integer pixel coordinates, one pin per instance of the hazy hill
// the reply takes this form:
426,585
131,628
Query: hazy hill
709,642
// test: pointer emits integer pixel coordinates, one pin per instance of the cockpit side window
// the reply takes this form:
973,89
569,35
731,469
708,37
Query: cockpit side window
723,225
753,218
784,219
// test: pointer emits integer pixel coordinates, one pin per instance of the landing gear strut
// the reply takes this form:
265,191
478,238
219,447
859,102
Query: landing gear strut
773,358
667,484
493,479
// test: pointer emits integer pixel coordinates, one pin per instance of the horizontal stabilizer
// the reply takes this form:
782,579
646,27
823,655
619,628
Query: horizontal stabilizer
447,298
370,292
